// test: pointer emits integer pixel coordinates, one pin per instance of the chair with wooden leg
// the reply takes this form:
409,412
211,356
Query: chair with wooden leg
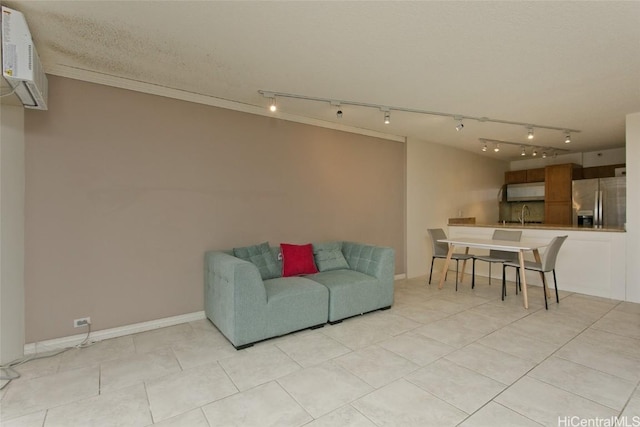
546,264
440,250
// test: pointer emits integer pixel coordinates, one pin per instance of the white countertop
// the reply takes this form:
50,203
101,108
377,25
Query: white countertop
536,226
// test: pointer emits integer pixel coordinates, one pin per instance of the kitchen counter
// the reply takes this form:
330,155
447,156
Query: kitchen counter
591,261
538,226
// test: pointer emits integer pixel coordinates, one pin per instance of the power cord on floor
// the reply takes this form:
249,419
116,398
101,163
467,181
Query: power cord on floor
12,374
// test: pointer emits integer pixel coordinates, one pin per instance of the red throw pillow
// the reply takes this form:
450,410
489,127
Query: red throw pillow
297,259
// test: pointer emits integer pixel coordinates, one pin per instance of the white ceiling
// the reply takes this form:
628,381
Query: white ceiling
564,64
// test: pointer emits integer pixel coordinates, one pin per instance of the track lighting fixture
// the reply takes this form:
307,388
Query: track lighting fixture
460,125
498,144
387,113
336,104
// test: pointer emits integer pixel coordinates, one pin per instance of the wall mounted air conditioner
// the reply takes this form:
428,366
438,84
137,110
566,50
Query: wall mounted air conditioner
21,65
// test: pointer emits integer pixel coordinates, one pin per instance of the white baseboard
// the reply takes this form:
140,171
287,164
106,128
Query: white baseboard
70,341
64,342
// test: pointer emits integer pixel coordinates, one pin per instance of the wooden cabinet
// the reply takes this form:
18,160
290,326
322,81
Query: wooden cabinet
535,175
601,171
515,177
558,183
522,176
558,213
557,197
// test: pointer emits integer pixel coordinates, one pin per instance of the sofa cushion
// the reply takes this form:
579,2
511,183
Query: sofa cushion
297,260
350,292
294,303
328,256
262,257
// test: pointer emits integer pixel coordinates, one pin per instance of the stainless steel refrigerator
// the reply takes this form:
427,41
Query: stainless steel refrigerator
600,202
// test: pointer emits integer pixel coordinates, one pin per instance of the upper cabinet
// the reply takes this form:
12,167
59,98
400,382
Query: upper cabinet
523,176
557,187
535,175
601,171
558,182
515,177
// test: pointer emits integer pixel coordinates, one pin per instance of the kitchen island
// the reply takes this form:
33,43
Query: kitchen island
591,261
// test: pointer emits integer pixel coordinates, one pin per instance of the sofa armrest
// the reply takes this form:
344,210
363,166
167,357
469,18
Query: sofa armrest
375,261
235,297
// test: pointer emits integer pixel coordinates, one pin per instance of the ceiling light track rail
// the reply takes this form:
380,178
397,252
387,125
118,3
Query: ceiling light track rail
387,108
545,150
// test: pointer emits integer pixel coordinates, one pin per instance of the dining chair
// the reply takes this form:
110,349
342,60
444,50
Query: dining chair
496,256
547,264
440,250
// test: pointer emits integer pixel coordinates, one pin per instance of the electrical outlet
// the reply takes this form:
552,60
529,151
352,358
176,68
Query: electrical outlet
82,322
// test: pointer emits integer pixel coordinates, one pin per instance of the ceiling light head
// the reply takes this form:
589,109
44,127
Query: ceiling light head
530,133
496,148
524,152
272,100
387,115
460,125
484,147
544,154
567,137
535,152
338,108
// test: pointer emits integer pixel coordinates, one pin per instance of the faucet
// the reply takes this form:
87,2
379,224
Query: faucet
524,214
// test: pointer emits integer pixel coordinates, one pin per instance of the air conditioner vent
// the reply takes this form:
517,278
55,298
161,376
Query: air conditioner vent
21,65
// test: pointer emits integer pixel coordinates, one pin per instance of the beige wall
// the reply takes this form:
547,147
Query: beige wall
12,188
633,206
443,182
126,191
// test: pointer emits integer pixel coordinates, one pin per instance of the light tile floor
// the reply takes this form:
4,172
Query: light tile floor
436,358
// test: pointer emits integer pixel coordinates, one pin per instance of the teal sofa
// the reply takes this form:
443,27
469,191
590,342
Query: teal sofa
247,309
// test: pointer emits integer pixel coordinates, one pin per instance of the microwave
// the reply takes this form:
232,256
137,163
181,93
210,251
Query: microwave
525,192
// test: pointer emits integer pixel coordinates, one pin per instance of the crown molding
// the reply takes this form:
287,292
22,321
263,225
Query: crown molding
152,89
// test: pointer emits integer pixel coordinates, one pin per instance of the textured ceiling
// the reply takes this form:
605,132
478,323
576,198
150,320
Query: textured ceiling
563,64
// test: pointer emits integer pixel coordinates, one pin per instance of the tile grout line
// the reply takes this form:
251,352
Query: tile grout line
635,390
536,365
545,359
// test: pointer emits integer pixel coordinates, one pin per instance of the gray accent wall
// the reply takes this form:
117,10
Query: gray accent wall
12,193
125,192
